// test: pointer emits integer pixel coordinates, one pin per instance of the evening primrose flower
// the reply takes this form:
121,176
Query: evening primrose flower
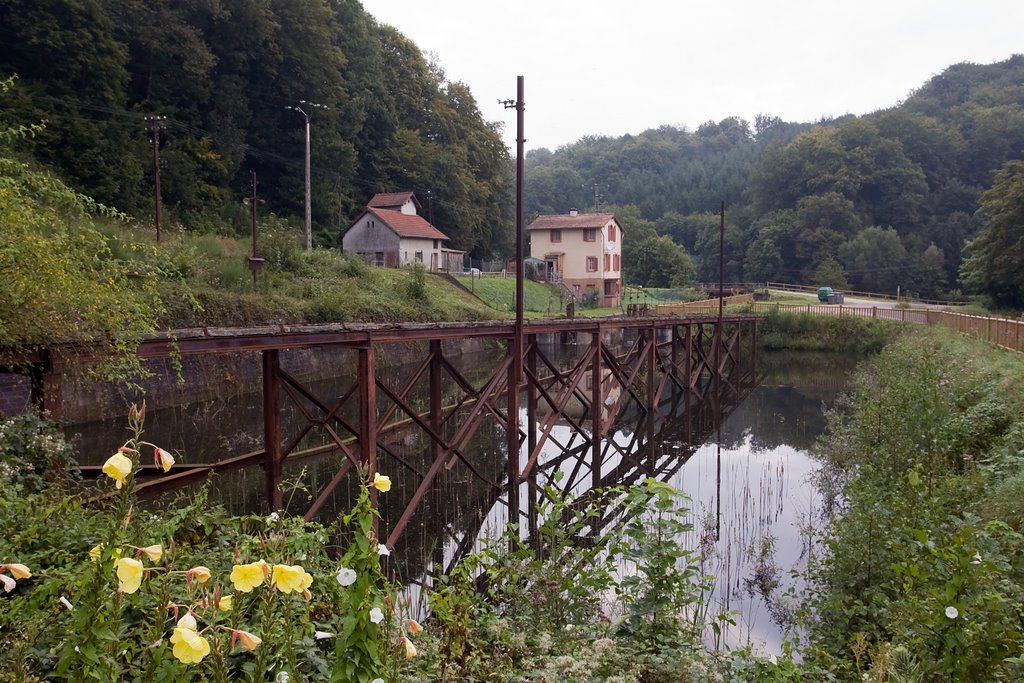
188,621
382,550
200,574
118,467
224,604
18,571
8,583
97,550
381,482
376,615
153,552
245,577
414,627
952,612
129,573
346,576
162,459
410,649
248,640
289,578
189,646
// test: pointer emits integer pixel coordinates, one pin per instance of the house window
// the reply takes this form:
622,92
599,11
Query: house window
435,244
589,235
419,256
611,232
610,288
607,262
378,258
591,264
617,264
371,224
556,235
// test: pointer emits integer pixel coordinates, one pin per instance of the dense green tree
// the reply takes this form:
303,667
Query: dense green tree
874,260
830,273
995,258
649,259
72,73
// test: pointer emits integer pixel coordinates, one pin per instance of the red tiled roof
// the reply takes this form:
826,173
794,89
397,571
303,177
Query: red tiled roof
387,200
406,225
564,221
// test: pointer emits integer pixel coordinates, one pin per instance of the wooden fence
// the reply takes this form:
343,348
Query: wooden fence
1005,332
702,306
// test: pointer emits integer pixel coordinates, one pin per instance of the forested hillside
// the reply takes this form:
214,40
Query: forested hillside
887,200
880,201
224,74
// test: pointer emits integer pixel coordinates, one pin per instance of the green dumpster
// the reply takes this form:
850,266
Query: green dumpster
823,294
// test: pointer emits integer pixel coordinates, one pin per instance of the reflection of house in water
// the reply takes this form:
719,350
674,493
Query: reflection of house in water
575,408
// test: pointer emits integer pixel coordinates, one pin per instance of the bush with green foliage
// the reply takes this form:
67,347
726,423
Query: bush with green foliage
913,583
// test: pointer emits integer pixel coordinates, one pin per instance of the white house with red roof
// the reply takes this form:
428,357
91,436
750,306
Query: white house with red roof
583,250
389,232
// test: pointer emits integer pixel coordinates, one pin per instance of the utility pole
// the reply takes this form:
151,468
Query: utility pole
309,197
154,124
516,370
255,262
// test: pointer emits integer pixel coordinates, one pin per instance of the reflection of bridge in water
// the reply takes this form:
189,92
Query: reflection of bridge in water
439,428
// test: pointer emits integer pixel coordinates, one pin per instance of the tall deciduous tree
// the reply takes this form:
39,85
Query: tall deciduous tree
995,258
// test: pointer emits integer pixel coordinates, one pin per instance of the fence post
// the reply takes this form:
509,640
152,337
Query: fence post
874,311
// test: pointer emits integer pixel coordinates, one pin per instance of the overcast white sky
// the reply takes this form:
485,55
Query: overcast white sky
622,66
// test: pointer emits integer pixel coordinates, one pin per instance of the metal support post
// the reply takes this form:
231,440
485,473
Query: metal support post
368,415
595,412
272,427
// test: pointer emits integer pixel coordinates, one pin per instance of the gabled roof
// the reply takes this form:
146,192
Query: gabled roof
404,225
388,200
565,221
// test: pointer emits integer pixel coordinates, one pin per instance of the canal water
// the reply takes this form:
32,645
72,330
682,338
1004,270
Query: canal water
753,503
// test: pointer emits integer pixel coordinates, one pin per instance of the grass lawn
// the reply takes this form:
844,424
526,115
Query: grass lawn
500,293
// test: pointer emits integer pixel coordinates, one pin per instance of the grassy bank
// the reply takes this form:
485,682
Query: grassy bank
921,573
806,332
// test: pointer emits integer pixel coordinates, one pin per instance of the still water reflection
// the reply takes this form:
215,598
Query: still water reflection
752,497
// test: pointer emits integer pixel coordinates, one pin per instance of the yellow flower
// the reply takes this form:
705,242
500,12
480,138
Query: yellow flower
410,649
245,577
381,482
18,571
414,627
162,458
129,573
200,574
153,552
188,621
289,578
248,640
189,646
97,550
224,604
118,467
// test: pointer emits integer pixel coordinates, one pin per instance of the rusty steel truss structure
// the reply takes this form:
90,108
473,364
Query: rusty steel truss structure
651,371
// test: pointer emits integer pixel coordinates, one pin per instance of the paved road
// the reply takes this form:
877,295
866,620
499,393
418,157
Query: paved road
879,303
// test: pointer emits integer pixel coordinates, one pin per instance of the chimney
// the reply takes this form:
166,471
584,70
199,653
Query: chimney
574,212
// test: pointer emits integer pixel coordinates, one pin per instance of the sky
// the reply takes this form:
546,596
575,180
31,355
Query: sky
611,67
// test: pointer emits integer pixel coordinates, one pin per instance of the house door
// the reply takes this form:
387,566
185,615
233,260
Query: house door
554,262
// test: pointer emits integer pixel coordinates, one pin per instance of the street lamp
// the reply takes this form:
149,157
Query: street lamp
309,202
